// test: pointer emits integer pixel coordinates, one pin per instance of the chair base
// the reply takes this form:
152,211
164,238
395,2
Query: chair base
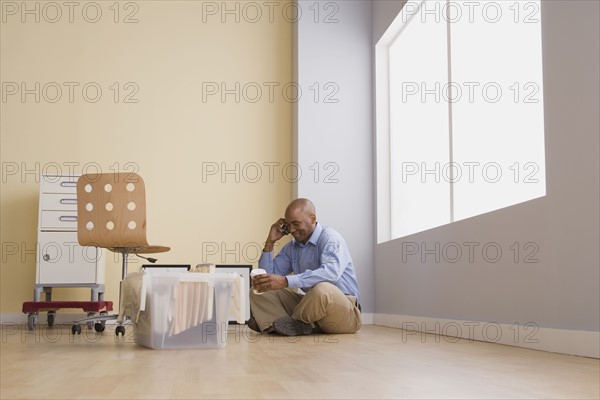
99,324
99,321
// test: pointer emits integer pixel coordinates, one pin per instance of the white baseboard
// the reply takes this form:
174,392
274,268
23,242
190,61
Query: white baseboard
531,336
367,318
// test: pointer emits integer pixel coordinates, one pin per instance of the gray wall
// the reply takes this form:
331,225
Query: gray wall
561,290
339,132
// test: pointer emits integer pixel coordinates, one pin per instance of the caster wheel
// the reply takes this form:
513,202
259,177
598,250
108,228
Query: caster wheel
76,329
50,318
99,327
31,321
90,324
120,330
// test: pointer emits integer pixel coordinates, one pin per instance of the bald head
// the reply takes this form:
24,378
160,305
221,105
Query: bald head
301,217
305,206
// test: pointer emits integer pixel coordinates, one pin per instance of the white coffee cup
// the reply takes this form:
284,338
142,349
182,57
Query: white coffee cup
255,272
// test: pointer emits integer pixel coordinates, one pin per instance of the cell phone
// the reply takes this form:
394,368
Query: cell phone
285,229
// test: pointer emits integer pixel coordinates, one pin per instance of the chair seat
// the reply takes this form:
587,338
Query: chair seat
140,249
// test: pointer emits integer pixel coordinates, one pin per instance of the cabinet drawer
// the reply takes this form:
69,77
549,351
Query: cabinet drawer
59,184
59,202
59,220
62,260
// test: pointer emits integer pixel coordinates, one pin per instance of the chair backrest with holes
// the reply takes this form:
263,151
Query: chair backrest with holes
111,210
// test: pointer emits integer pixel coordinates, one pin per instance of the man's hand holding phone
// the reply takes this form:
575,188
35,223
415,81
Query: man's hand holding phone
278,230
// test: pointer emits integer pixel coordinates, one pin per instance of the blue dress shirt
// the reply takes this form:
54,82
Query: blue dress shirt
324,258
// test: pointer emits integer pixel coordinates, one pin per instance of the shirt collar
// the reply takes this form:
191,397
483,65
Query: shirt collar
314,238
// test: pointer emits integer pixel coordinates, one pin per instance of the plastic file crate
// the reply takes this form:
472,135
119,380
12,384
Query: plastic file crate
184,310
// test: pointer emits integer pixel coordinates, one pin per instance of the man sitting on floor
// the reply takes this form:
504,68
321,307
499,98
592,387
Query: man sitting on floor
322,267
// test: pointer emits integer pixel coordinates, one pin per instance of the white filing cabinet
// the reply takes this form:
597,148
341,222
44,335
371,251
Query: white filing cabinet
61,261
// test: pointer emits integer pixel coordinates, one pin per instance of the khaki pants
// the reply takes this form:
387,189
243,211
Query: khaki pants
324,304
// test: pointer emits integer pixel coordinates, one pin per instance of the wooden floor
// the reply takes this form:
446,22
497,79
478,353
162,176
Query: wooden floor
377,362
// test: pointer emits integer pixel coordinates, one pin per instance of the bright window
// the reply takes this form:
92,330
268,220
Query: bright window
460,127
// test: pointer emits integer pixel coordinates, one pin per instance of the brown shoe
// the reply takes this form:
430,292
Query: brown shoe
252,324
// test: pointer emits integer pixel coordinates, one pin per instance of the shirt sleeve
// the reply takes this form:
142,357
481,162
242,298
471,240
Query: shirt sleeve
280,265
333,261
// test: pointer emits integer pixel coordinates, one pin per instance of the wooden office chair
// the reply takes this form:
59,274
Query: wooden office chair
111,213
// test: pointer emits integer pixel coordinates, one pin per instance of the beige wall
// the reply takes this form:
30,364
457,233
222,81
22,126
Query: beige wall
168,55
